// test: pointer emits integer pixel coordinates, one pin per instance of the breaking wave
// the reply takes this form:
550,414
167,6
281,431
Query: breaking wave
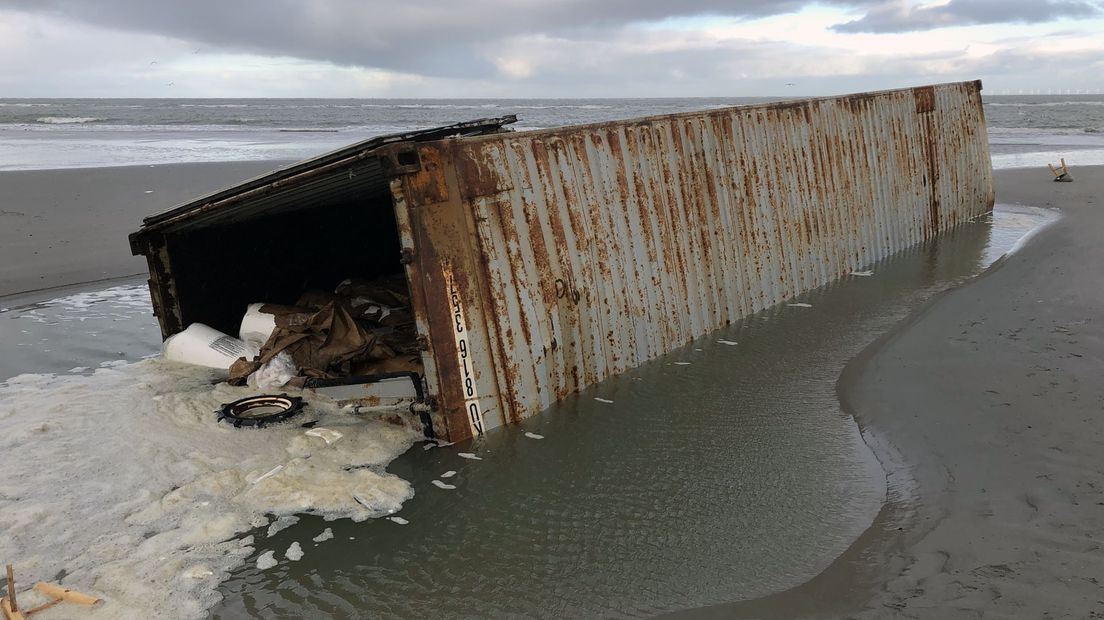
68,120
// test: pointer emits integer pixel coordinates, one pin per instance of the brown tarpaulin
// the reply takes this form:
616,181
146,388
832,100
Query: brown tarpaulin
325,339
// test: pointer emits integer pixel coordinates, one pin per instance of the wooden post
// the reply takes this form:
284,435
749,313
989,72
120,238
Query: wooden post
11,589
8,604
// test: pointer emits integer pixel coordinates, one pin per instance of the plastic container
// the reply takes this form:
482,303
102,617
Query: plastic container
204,346
256,326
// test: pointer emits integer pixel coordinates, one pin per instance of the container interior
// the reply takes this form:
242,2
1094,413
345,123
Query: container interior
276,255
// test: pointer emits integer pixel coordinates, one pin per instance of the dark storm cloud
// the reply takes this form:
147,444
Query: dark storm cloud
900,17
433,37
472,39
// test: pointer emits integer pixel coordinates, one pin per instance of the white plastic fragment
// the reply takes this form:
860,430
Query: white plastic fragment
800,305
469,456
267,474
399,520
443,485
256,326
327,435
267,560
603,400
681,363
448,474
205,346
730,343
376,502
324,536
437,443
294,552
863,274
534,436
274,373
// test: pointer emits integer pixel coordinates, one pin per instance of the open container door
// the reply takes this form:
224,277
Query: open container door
320,225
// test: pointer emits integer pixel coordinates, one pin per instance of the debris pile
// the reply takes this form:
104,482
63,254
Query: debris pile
362,328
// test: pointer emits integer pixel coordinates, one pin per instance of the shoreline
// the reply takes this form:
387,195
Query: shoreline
69,226
951,558
855,583
927,554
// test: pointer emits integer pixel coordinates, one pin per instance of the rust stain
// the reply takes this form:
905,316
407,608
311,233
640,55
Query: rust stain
428,184
584,251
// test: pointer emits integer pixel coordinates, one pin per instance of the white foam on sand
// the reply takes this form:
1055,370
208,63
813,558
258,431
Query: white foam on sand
281,523
114,304
294,552
266,560
121,483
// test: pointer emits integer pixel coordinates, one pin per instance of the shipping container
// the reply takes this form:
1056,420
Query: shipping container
542,262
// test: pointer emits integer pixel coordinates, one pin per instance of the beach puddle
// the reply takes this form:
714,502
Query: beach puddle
723,471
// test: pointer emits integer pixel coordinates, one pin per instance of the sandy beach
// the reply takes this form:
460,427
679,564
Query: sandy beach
991,398
984,406
60,227
985,409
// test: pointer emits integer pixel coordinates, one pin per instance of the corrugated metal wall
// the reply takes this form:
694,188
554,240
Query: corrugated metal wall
593,249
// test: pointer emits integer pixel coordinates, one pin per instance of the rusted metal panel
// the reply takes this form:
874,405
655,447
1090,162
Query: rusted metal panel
575,254
542,262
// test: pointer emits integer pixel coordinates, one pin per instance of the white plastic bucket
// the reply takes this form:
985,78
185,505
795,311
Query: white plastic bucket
204,346
256,326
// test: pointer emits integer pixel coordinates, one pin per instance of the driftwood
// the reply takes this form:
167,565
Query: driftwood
10,606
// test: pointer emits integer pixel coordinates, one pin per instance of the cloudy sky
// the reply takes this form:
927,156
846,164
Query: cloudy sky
541,48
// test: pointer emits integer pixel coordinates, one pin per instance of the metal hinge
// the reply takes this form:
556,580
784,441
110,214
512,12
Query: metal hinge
399,158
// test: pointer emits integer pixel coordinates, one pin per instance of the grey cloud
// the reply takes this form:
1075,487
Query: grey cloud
430,37
899,16
475,39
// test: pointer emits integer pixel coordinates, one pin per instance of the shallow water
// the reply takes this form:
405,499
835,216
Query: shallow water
720,472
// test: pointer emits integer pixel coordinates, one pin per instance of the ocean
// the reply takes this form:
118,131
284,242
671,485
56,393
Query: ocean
67,133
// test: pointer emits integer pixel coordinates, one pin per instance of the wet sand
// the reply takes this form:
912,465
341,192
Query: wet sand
992,398
985,408
60,227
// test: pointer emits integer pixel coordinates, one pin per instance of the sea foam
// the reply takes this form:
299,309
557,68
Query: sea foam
123,482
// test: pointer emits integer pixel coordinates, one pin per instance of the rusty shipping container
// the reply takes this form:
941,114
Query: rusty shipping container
542,262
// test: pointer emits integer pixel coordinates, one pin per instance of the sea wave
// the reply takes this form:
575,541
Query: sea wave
432,106
67,120
589,106
216,105
1042,131
1040,104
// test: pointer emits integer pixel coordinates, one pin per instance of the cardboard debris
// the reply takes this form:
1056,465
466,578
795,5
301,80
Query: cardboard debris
363,328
